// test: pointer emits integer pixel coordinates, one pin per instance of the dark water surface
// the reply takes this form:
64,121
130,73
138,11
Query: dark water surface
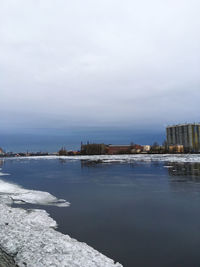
141,214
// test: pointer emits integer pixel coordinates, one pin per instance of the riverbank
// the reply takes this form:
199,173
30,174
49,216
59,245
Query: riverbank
119,158
30,235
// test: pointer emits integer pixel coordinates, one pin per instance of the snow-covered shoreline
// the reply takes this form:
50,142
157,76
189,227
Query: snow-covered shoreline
30,236
121,158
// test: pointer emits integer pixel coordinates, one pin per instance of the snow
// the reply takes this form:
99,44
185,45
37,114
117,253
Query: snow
30,235
14,193
31,238
124,158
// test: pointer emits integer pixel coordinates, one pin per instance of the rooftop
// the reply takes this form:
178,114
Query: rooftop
184,124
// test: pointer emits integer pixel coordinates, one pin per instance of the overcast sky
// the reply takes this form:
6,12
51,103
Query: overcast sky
98,63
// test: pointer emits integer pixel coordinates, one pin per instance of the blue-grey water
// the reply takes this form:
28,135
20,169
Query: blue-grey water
140,214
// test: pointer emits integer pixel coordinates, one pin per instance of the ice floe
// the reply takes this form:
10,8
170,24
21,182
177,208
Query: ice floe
30,236
14,193
124,158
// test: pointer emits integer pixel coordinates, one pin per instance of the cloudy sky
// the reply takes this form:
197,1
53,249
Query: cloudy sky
98,63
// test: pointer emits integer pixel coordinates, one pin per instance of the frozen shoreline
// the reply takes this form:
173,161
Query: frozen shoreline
29,236
184,158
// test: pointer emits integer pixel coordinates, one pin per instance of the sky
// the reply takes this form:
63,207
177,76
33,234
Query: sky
78,65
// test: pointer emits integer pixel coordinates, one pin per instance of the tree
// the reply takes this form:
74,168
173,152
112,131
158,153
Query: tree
62,152
155,148
165,146
132,145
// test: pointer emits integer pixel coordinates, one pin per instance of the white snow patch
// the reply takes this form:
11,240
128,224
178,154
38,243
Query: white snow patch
124,158
14,193
3,174
168,167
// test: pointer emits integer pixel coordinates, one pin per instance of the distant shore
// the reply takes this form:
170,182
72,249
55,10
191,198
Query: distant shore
184,158
34,155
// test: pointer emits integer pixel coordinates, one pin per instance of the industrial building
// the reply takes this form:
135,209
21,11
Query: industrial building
118,149
187,135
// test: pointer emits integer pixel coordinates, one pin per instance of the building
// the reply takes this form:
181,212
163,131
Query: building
93,149
124,149
187,135
136,149
1,151
118,149
146,148
176,149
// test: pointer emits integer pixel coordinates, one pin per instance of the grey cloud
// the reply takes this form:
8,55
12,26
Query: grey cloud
99,62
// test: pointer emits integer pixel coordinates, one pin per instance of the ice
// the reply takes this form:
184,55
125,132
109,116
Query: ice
123,158
15,193
30,236
3,173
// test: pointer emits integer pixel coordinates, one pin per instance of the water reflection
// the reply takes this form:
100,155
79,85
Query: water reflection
91,163
1,162
62,161
185,178
102,164
184,169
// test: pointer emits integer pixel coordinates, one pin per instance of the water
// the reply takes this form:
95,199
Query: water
140,214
